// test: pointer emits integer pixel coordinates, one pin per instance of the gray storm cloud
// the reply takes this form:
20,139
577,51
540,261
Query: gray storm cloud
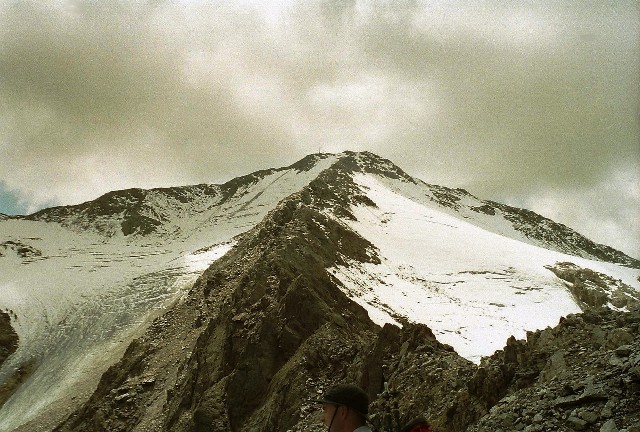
532,104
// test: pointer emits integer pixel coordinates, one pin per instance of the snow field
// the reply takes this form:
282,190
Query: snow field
473,287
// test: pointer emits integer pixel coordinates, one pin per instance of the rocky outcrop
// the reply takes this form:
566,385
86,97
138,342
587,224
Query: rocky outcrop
593,290
421,377
581,375
130,211
19,248
8,337
8,345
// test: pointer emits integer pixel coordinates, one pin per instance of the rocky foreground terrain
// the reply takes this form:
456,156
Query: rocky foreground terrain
583,375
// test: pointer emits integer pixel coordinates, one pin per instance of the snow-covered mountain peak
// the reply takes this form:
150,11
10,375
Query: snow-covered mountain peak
517,223
81,282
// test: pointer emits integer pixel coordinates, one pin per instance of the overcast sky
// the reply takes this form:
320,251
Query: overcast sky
530,103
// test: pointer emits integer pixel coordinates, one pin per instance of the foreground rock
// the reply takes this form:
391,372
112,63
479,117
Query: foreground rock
583,374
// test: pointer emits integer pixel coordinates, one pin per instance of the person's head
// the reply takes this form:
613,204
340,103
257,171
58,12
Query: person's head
344,408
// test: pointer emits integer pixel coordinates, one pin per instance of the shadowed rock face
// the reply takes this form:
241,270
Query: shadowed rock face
8,337
593,290
8,345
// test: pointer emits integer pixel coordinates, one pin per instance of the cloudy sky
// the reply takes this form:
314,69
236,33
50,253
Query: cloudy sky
531,103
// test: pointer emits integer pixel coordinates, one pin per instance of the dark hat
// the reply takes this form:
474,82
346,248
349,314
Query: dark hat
348,395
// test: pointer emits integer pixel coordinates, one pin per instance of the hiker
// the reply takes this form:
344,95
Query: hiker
345,408
419,424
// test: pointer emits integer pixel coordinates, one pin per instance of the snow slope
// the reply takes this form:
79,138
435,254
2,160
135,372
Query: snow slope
80,302
473,287
80,297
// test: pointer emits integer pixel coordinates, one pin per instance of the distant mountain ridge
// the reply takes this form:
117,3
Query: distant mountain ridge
144,211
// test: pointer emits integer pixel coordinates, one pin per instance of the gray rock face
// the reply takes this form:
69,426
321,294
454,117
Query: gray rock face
591,392
8,345
8,336
594,290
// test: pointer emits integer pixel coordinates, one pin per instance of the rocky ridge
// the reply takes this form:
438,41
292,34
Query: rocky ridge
8,336
580,375
560,236
253,325
8,344
538,229
144,211
141,212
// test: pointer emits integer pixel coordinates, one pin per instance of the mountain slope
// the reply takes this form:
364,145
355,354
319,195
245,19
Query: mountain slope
268,325
268,302
518,224
472,287
85,290
277,310
142,212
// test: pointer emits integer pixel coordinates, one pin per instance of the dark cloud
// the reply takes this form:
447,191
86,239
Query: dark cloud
114,82
535,104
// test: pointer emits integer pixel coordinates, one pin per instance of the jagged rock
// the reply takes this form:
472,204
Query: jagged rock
619,337
8,337
609,426
589,393
595,290
555,366
8,345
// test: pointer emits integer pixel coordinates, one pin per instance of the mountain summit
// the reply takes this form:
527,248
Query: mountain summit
225,307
